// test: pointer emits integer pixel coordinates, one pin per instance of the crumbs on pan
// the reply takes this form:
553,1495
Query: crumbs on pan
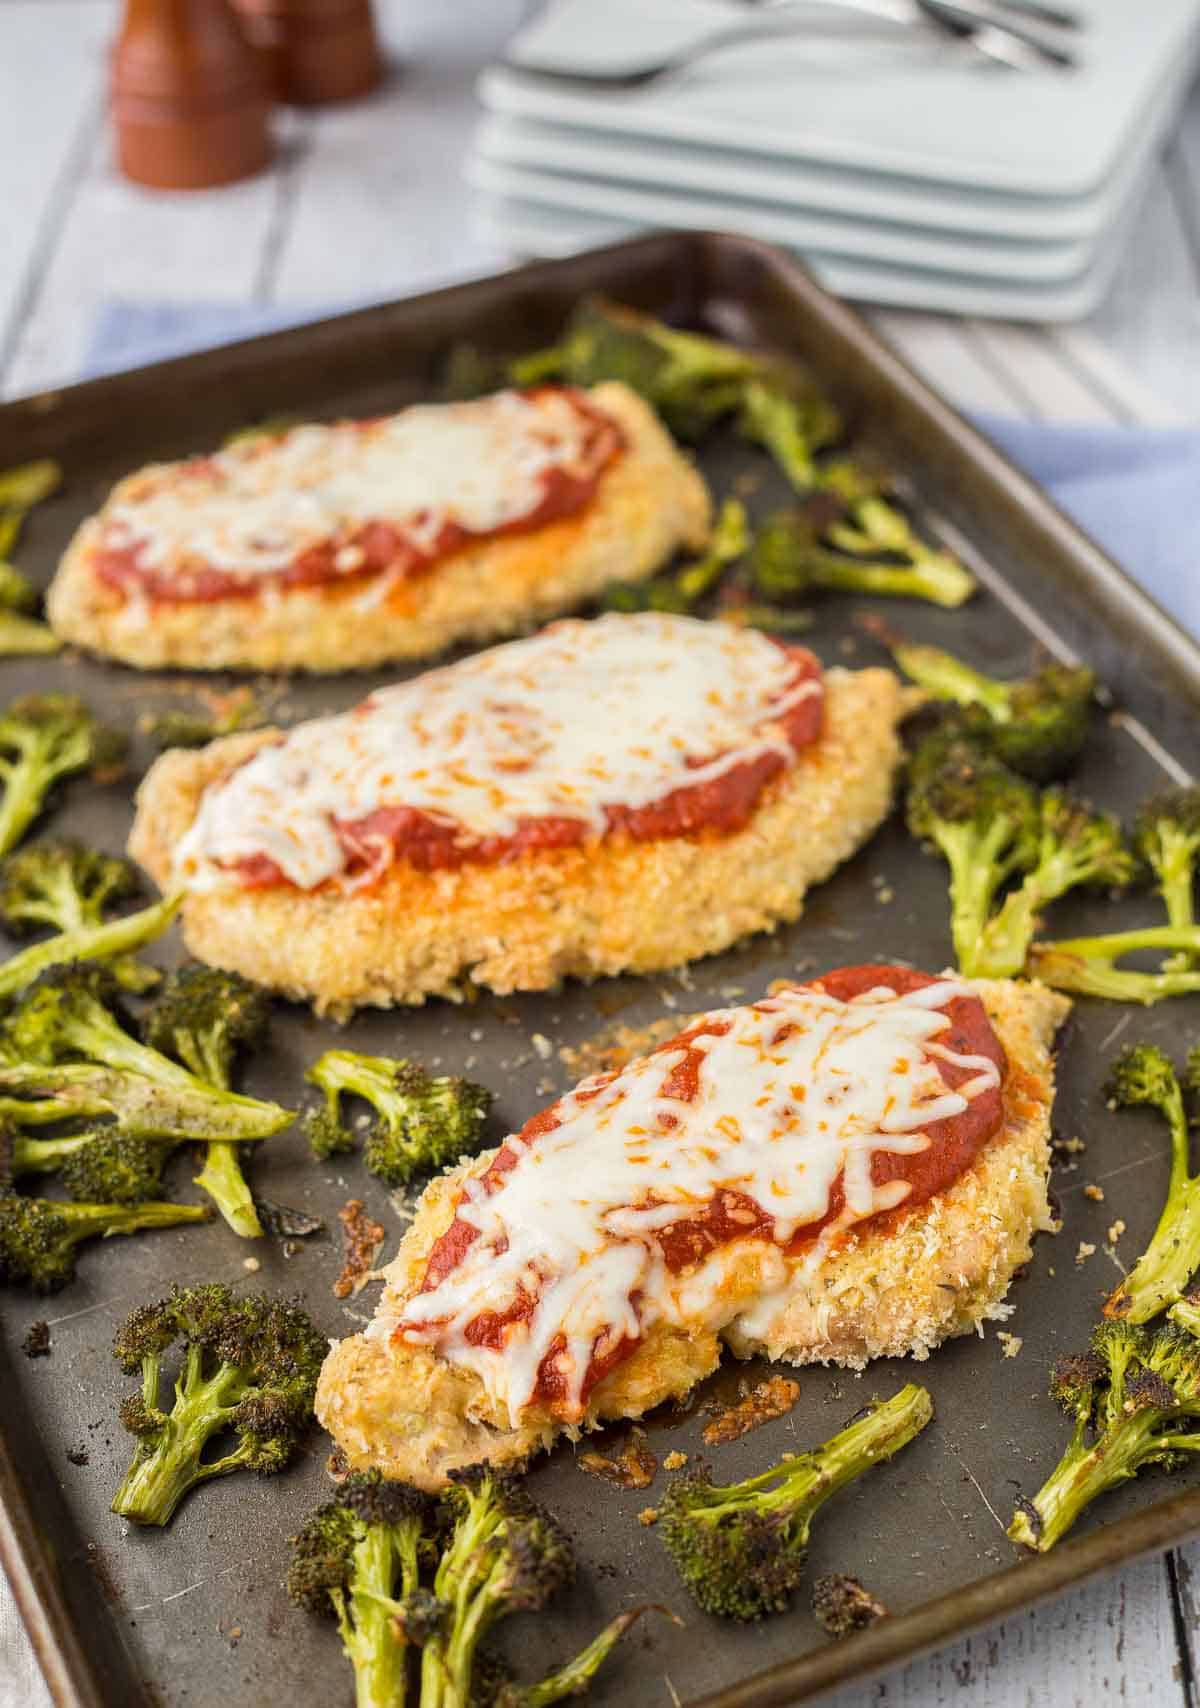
1094,1192
635,1467
766,1401
614,1046
1085,1251
1115,1231
648,1516
362,1238
675,1461
36,1343
1010,1344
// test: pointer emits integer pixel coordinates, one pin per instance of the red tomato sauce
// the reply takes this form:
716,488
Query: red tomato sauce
955,1142
721,804
379,547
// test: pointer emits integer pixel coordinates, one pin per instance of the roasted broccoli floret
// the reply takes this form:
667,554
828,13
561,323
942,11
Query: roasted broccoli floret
841,1605
62,885
44,738
793,425
1166,834
1037,725
1132,1398
248,1365
421,1123
33,1095
113,941
982,818
204,1018
682,589
1087,965
1144,1075
38,1237
793,557
68,1017
503,1555
1075,848
70,888
358,1560
115,1168
740,1550
97,1166
690,380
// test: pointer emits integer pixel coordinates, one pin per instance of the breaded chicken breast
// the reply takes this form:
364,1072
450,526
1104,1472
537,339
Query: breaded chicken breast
632,705
435,1384
309,553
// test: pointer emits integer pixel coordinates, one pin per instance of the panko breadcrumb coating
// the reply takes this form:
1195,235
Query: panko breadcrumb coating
900,1285
650,502
609,906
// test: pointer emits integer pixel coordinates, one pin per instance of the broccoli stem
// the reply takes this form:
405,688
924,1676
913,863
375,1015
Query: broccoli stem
976,872
141,1108
902,581
154,1486
948,678
1162,1272
1176,883
45,1111
93,943
1004,941
43,1156
24,637
1083,1474
805,1483
86,1221
1186,1312
927,574
730,541
1085,964
446,1667
223,1180
573,1678
101,1039
367,1628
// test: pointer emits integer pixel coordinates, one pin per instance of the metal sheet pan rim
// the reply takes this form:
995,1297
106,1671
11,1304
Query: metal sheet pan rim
24,1550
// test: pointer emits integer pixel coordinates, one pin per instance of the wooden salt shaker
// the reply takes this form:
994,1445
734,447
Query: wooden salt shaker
189,97
316,51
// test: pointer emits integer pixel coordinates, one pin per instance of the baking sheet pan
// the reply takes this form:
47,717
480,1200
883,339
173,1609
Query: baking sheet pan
197,1615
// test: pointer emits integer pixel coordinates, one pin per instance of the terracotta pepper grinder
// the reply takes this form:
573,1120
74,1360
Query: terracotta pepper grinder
315,51
189,96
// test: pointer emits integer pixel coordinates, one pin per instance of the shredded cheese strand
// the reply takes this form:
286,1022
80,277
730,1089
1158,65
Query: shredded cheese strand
581,717
794,1092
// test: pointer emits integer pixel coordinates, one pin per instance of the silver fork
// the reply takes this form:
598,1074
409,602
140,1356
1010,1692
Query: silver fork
987,26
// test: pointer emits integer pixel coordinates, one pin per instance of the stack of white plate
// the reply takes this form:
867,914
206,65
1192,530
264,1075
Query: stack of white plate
905,168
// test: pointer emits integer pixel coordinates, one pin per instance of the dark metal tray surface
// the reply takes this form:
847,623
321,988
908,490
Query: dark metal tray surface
197,1615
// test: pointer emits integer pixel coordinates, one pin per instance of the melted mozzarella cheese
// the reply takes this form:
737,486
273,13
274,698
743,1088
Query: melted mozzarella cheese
778,1116
583,716
256,507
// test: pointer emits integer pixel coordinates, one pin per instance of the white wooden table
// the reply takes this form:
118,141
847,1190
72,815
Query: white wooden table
366,202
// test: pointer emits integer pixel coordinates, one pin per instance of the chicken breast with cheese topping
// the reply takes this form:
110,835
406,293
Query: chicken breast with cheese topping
849,1169
618,795
347,546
